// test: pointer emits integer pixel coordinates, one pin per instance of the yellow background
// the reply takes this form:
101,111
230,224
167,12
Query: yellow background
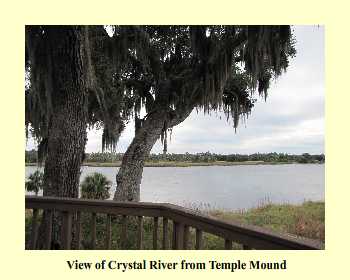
16,263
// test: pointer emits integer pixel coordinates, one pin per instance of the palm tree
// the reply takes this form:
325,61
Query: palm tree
95,186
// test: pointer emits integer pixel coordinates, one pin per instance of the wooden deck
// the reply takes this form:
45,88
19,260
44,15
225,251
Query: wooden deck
251,237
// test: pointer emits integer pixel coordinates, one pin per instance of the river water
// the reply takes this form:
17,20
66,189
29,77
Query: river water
225,187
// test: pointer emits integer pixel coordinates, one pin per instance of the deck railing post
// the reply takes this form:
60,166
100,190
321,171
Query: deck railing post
228,244
140,233
186,236
173,243
108,232
155,233
34,233
179,236
93,231
48,237
123,232
199,239
165,234
66,231
78,229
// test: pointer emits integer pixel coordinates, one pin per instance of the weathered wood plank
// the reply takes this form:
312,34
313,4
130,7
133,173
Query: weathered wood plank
140,232
145,209
179,233
186,236
78,229
173,243
66,230
35,226
228,244
165,234
48,230
155,233
199,239
93,231
108,232
123,232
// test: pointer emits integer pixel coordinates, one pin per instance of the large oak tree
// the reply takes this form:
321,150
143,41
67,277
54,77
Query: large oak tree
69,78
79,76
173,70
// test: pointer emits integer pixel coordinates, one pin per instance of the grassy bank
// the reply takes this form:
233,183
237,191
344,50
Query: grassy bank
179,163
306,220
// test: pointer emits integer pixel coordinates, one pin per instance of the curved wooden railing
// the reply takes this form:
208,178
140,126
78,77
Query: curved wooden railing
251,237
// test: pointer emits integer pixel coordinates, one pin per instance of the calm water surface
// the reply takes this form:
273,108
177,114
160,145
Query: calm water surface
225,187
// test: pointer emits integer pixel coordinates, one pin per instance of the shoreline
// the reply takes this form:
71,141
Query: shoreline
184,164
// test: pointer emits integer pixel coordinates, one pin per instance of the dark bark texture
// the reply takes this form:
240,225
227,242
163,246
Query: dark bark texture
130,173
67,127
67,130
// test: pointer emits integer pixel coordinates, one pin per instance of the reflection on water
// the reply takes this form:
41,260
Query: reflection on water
227,187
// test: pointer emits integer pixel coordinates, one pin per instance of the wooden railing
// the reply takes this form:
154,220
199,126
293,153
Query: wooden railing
183,219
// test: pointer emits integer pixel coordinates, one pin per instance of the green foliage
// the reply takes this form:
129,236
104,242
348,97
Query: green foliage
35,182
305,158
28,225
102,157
206,157
212,157
172,69
95,186
307,220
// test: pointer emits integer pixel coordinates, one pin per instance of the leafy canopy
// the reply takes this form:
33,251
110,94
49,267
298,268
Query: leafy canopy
161,68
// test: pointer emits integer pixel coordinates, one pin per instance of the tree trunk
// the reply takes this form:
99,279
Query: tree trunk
67,129
130,173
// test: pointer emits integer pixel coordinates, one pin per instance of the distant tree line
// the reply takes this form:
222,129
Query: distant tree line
31,157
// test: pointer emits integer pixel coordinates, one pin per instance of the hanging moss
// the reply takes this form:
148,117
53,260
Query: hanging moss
169,68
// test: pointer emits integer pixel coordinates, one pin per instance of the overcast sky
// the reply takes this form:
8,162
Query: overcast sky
290,121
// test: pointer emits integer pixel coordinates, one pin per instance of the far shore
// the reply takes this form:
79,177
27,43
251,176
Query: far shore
181,163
